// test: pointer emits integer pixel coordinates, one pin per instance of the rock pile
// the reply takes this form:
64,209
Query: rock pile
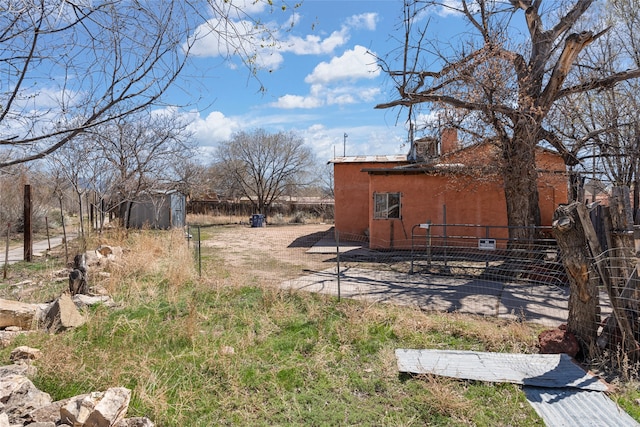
22,404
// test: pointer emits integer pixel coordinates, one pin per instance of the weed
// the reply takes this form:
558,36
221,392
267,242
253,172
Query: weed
232,349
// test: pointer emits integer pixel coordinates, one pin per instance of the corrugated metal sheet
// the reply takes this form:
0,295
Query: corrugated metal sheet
542,370
562,393
570,407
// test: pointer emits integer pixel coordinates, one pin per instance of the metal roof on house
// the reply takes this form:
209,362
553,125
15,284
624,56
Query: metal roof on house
371,159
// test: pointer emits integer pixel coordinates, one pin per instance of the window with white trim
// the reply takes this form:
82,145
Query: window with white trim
386,205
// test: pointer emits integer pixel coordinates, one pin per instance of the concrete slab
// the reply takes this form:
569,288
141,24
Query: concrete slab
531,301
544,304
328,246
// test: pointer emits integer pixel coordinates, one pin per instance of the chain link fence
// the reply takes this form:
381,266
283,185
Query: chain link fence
469,269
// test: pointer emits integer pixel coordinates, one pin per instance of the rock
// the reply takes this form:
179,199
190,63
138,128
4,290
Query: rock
99,289
22,404
111,409
553,341
103,256
6,337
15,313
97,409
82,301
24,353
51,412
77,409
63,315
135,422
21,397
16,369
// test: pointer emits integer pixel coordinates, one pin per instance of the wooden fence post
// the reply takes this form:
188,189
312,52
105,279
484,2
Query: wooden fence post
584,305
28,231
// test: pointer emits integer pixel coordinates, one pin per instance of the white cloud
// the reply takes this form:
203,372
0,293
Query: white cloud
240,7
321,95
315,45
217,38
214,128
296,101
264,44
354,64
367,21
324,141
350,94
361,140
454,8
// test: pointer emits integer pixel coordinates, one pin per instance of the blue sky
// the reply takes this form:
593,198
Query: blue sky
320,82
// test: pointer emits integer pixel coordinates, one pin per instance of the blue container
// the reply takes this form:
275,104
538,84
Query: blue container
257,220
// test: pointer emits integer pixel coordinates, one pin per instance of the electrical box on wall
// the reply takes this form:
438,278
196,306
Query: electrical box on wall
487,244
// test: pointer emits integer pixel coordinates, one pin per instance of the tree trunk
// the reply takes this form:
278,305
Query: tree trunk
521,185
127,217
584,316
64,231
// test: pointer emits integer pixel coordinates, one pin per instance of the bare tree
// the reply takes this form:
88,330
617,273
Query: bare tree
603,128
71,66
140,156
189,177
261,166
502,82
68,67
69,163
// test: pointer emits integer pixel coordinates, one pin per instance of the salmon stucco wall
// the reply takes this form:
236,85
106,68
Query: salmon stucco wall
442,199
425,198
426,194
351,194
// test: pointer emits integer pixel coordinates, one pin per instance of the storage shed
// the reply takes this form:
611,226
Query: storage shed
159,209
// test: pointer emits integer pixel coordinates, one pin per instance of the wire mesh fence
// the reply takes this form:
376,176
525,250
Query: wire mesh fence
456,272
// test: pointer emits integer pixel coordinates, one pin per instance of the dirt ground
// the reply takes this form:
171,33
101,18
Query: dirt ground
272,252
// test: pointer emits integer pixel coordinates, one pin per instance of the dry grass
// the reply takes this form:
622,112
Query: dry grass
230,348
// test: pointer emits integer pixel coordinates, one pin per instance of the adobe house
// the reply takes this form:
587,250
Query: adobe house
384,197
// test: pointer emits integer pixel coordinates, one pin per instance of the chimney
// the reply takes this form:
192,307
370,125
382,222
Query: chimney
424,149
448,140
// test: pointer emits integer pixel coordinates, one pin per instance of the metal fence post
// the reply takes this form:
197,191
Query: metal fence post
444,228
6,253
337,235
199,254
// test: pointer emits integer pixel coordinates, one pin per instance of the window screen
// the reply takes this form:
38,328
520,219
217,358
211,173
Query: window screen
387,205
